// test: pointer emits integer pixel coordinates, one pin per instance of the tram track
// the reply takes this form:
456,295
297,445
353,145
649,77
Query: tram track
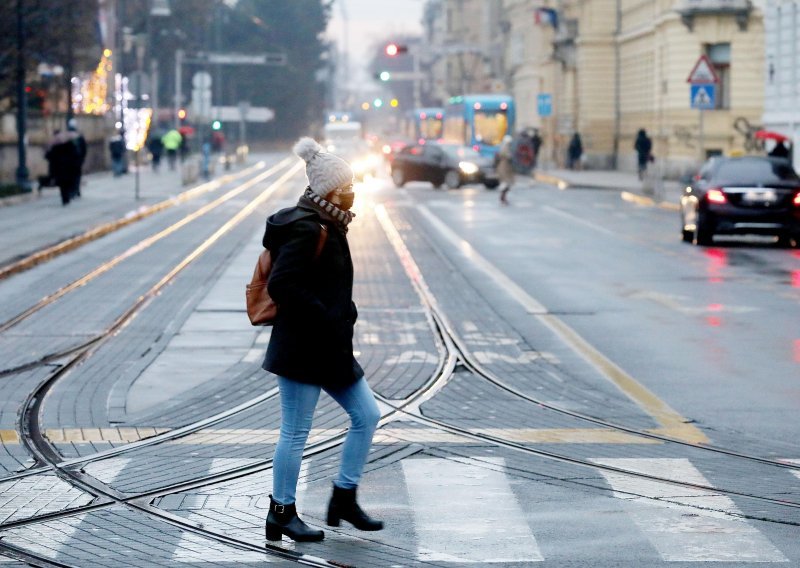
108,265
453,353
63,246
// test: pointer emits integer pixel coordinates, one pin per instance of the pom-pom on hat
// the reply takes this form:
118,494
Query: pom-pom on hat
325,171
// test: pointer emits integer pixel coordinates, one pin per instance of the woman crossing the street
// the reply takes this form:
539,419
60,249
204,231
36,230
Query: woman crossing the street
311,345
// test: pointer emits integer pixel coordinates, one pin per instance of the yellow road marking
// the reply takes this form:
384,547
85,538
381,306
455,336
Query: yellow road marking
243,436
661,412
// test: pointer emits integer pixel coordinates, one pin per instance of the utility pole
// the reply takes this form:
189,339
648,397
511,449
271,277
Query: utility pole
22,103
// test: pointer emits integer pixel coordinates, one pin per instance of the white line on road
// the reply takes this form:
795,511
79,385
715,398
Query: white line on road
686,525
576,219
465,513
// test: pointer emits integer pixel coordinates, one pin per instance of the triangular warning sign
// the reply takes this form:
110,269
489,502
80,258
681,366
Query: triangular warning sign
703,72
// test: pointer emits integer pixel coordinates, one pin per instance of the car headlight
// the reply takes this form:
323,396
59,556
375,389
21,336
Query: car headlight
468,167
359,166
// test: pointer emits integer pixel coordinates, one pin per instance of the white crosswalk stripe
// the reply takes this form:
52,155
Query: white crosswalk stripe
445,496
683,524
464,510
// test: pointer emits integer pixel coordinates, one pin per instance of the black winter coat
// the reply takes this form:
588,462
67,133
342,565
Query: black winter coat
312,338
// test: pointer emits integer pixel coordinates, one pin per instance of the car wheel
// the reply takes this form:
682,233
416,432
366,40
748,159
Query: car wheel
398,177
452,180
703,231
491,184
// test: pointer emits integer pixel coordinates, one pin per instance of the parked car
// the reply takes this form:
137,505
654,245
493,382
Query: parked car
443,164
747,195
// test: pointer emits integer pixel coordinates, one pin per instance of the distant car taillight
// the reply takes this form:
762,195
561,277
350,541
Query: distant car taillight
716,196
796,201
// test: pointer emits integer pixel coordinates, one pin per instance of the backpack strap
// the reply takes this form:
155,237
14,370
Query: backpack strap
323,236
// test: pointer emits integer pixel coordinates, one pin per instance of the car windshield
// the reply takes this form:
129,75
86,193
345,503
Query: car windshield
460,152
756,172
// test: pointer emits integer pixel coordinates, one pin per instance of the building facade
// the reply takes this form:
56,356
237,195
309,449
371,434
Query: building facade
466,46
782,74
613,68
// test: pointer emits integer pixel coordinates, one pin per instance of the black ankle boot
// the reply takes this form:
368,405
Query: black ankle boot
283,520
343,505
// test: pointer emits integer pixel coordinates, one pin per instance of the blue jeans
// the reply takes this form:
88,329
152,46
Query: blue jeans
298,402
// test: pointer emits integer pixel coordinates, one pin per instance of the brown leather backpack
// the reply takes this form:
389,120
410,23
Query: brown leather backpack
261,309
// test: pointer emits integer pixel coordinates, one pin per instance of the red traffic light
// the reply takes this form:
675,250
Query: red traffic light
394,49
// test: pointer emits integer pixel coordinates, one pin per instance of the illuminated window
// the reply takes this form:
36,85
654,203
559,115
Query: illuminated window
490,127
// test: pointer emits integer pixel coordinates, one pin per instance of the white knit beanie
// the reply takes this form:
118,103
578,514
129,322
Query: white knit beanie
325,171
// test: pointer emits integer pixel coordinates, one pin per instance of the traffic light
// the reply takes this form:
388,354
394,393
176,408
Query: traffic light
377,103
394,103
393,49
384,75
216,125
182,114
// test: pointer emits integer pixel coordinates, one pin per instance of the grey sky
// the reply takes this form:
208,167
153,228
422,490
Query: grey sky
373,20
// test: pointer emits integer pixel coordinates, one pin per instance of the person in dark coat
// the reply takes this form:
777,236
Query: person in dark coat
643,146
81,150
574,152
156,147
311,345
64,163
536,144
780,150
116,147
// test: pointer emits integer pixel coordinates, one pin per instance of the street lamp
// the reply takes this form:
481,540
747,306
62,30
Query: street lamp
22,104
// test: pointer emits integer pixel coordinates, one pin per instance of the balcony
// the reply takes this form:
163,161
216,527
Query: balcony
739,9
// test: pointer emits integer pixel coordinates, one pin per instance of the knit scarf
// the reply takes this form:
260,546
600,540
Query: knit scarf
326,209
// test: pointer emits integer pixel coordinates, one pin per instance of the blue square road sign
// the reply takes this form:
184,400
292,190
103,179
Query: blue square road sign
544,104
703,96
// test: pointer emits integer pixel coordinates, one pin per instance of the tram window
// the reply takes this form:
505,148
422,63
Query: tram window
490,127
430,128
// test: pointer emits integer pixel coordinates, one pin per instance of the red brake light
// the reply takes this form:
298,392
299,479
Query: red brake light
796,201
716,196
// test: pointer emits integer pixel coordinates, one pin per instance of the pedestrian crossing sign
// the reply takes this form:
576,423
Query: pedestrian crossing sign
703,96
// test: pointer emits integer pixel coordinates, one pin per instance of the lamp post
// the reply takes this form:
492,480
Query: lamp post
22,104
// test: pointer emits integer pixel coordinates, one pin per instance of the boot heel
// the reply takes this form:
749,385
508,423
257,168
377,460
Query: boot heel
333,521
273,532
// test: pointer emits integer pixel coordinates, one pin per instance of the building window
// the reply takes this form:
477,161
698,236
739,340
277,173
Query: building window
720,56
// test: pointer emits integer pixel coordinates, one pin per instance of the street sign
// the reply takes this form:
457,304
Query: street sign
703,96
247,59
703,72
235,114
544,104
201,80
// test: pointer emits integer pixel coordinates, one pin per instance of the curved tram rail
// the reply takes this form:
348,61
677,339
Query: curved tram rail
452,352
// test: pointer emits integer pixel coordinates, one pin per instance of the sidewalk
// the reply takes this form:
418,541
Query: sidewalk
666,194
104,199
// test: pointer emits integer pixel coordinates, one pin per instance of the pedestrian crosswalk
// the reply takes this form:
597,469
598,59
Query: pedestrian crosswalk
463,510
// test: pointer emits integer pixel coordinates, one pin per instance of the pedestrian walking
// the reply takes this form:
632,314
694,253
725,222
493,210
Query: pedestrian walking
780,150
172,143
574,152
643,146
311,345
505,167
156,148
64,163
536,144
80,145
116,147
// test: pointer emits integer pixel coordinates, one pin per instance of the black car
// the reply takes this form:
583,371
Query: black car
442,164
747,195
